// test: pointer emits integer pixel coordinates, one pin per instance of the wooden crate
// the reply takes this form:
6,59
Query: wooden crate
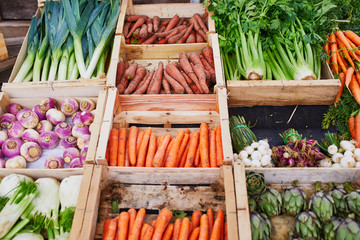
280,178
123,110
78,87
150,55
160,191
287,92
59,174
99,99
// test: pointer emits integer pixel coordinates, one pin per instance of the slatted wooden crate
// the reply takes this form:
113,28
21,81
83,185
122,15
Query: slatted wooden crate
121,111
60,174
280,179
99,99
160,191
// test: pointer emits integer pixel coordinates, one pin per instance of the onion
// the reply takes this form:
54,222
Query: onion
68,142
80,129
86,118
75,118
47,103
3,137
55,116
247,162
70,154
63,129
30,135
44,126
15,129
2,163
48,140
39,112
11,147
84,151
87,105
53,162
14,108
265,160
69,106
16,162
255,164
19,114
31,151
76,163
83,141
6,119
29,119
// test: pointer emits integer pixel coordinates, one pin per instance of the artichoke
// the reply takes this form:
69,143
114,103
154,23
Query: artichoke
348,229
255,183
329,229
307,225
252,204
294,200
353,202
322,204
270,202
338,194
260,226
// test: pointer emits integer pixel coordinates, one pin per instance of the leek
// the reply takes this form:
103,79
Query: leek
46,66
65,59
42,50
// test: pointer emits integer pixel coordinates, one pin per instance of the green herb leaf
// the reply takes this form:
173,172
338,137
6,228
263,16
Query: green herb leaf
178,214
115,206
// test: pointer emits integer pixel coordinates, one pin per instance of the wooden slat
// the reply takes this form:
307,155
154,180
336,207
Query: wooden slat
14,28
3,51
17,9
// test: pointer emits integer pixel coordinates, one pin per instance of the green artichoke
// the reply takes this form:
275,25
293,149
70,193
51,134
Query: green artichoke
322,204
338,194
353,202
270,202
255,183
294,200
260,226
307,225
329,229
348,229
252,204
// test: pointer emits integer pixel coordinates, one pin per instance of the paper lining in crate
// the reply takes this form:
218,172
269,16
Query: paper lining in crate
121,112
155,192
284,92
59,174
149,56
99,100
280,178
78,87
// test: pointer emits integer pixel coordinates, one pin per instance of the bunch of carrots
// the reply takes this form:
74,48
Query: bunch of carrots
192,77
344,59
144,149
139,29
130,225
354,127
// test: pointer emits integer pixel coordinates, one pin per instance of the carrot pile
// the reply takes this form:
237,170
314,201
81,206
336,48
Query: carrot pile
130,225
145,149
139,29
344,59
193,74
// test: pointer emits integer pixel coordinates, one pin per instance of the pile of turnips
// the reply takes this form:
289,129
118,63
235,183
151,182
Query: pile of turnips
258,154
27,132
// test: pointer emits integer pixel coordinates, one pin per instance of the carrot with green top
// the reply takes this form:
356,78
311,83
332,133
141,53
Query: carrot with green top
171,160
327,51
345,52
219,147
151,150
121,148
159,155
204,145
110,227
353,37
349,75
357,129
342,62
141,158
341,89
351,123
133,132
334,49
343,39
355,89
114,145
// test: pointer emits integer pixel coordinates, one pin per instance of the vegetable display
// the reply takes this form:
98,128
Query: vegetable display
193,74
28,207
71,38
131,225
144,149
139,29
26,140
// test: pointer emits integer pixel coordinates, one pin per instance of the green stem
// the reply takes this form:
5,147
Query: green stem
45,70
25,67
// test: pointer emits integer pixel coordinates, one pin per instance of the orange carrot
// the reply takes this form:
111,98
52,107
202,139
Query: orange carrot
114,145
144,31
193,146
204,228
201,23
152,39
143,88
174,72
341,89
197,161
133,132
351,123
159,140
343,39
178,89
120,72
149,24
342,62
334,49
355,89
162,221
156,86
110,227
143,230
138,141
348,76
136,228
217,231
177,226
358,76
186,35
134,18
199,38
132,215
126,28
168,232
357,130
151,150
219,147
172,23
353,37
122,85
139,22
184,156
200,73
184,230
121,148
209,56
210,215
185,65
195,234
208,68
153,222
345,52
195,219
148,232
353,46
127,158
139,75
204,145
160,152
197,28
141,157
177,37
172,159
212,149
166,85
168,150
327,51
191,38
156,22
123,226
130,72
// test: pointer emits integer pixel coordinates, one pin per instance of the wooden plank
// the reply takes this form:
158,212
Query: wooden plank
121,20
58,174
3,51
219,72
242,202
14,28
168,10
17,9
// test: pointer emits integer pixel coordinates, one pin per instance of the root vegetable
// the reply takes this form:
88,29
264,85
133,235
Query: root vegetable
70,154
176,74
44,126
11,147
14,108
55,116
15,129
69,106
87,118
48,140
31,151
6,119
16,162
39,112
87,105
54,162
63,130
68,142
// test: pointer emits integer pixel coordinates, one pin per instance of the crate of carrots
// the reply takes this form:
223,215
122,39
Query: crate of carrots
132,208
180,135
